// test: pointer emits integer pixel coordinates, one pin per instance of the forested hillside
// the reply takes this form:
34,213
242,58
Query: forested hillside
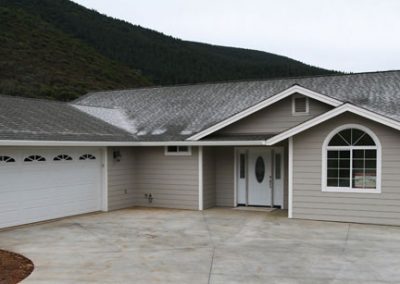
37,60
122,55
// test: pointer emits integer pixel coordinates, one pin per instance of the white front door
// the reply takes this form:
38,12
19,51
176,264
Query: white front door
259,177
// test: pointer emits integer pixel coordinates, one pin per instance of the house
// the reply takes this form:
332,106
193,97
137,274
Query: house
324,148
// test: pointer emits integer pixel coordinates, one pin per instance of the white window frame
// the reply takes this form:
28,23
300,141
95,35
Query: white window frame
178,153
294,112
377,147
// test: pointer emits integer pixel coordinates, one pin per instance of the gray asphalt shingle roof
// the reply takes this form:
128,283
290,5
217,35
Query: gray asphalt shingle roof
33,119
178,112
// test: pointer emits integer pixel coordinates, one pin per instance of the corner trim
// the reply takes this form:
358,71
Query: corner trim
200,154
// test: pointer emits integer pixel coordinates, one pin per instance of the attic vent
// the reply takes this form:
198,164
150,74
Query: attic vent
300,105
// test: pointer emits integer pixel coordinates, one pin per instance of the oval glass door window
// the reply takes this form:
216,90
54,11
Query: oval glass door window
260,169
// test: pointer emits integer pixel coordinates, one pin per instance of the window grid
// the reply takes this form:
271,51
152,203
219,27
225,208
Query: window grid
6,159
351,161
87,157
62,157
34,158
178,150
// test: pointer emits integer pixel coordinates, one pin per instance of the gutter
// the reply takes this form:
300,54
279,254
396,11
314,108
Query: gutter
12,143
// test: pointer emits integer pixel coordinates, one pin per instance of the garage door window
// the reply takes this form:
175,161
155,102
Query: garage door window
6,159
63,157
87,157
35,158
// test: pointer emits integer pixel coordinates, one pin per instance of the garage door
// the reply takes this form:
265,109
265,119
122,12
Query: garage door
42,184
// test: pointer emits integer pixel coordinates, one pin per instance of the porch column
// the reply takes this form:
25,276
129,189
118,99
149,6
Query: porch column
290,178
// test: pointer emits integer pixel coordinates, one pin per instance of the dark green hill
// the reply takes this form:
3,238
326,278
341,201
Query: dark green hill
37,60
162,59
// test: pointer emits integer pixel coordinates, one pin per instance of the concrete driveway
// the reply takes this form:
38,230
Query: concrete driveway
213,246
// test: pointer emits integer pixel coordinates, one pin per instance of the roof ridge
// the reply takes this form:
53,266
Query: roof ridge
33,99
76,104
236,81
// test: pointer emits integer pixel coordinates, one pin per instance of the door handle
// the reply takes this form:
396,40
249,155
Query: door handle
270,182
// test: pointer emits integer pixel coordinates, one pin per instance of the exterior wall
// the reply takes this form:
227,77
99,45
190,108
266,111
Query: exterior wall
225,163
209,178
309,202
171,180
275,118
121,179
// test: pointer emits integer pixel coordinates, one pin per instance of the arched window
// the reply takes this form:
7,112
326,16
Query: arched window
62,157
34,158
351,160
87,157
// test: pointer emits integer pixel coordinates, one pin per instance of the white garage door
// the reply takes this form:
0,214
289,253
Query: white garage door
39,184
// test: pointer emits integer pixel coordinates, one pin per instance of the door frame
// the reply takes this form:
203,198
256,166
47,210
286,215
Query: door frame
237,150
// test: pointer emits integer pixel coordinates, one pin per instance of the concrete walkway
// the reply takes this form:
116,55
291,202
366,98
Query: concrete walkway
213,246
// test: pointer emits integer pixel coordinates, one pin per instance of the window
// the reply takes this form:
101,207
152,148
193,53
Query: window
242,165
87,157
300,105
62,157
6,159
351,159
35,158
178,151
259,169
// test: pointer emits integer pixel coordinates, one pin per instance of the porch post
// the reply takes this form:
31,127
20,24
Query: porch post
290,178
200,154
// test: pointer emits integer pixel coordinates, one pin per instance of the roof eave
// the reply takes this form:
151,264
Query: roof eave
19,143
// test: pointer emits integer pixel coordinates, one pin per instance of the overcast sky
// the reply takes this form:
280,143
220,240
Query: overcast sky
346,35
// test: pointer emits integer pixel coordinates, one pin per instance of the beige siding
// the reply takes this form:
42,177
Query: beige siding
225,175
284,144
274,119
209,186
310,203
121,179
172,180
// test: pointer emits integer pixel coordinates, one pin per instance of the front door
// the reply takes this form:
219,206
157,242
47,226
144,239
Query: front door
259,173
260,176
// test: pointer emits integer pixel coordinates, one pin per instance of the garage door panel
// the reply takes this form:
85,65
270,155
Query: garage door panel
44,181
37,191
57,198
